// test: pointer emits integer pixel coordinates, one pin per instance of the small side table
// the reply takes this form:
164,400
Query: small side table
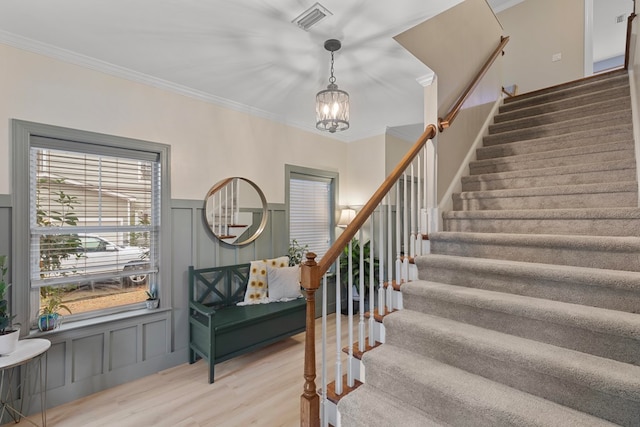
31,353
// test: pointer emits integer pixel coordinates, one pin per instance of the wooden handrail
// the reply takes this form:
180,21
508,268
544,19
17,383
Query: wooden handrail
450,117
627,49
312,273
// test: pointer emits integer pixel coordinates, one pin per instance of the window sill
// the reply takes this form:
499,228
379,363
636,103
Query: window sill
96,321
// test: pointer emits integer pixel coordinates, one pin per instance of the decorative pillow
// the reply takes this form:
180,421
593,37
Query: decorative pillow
257,284
284,283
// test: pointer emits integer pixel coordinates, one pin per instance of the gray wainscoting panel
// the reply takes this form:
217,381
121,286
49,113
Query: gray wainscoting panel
88,357
121,351
56,366
153,344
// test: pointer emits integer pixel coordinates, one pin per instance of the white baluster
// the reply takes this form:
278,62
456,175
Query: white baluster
398,237
338,387
412,224
324,402
381,294
361,323
405,232
350,315
418,210
372,304
389,257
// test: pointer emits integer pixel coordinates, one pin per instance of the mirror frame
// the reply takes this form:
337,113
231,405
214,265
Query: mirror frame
263,223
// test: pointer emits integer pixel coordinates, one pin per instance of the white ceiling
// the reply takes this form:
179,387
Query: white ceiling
243,54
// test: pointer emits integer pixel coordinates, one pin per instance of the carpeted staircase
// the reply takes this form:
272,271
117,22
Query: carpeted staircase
526,313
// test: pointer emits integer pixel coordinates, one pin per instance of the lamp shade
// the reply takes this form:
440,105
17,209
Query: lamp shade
332,109
346,216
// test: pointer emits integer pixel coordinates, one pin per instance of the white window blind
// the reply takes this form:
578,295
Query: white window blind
95,213
310,211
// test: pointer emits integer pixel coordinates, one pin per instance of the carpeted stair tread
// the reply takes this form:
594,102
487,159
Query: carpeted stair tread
562,128
607,106
586,173
601,332
461,398
612,194
614,187
369,407
569,89
610,289
506,114
601,387
602,136
608,252
592,221
558,157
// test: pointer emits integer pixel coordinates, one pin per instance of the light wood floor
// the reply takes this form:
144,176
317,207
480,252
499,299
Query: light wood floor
258,389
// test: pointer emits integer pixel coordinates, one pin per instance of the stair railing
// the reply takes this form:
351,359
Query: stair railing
455,109
314,272
409,180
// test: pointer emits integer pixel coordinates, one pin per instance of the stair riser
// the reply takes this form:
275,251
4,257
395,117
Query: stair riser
553,95
614,347
582,227
605,95
549,180
520,374
563,128
568,290
476,168
578,140
594,257
609,106
560,201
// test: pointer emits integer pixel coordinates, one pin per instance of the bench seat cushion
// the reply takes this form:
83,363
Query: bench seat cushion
232,316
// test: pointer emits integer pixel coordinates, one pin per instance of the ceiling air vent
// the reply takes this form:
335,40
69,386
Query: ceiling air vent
620,19
311,16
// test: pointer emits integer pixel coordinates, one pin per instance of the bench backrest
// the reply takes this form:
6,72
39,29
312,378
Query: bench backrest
218,286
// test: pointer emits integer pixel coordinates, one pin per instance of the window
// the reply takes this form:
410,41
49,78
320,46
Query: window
94,219
311,201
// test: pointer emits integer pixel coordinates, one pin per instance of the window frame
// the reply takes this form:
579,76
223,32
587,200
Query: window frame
23,132
292,171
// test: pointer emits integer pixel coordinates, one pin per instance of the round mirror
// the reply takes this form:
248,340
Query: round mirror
235,210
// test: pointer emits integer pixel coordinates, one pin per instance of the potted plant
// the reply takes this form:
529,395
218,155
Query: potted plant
152,298
50,317
355,270
297,253
8,335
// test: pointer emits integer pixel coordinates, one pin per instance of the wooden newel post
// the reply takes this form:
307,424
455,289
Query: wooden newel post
310,401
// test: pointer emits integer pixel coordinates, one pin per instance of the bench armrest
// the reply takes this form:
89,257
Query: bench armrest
202,309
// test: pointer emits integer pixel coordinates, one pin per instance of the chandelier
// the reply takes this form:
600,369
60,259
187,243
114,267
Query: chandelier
332,104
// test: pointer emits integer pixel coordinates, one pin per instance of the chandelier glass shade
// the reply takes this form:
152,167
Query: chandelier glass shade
332,104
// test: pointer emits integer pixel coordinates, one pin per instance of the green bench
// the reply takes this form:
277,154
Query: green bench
220,330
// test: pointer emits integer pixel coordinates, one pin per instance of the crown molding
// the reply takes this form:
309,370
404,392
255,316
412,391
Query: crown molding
427,79
506,5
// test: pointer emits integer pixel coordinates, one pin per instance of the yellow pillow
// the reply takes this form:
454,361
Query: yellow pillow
257,285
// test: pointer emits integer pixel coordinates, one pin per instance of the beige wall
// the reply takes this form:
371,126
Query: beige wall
455,45
539,29
395,148
365,171
208,142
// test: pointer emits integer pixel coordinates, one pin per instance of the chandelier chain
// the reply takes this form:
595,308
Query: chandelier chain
332,79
